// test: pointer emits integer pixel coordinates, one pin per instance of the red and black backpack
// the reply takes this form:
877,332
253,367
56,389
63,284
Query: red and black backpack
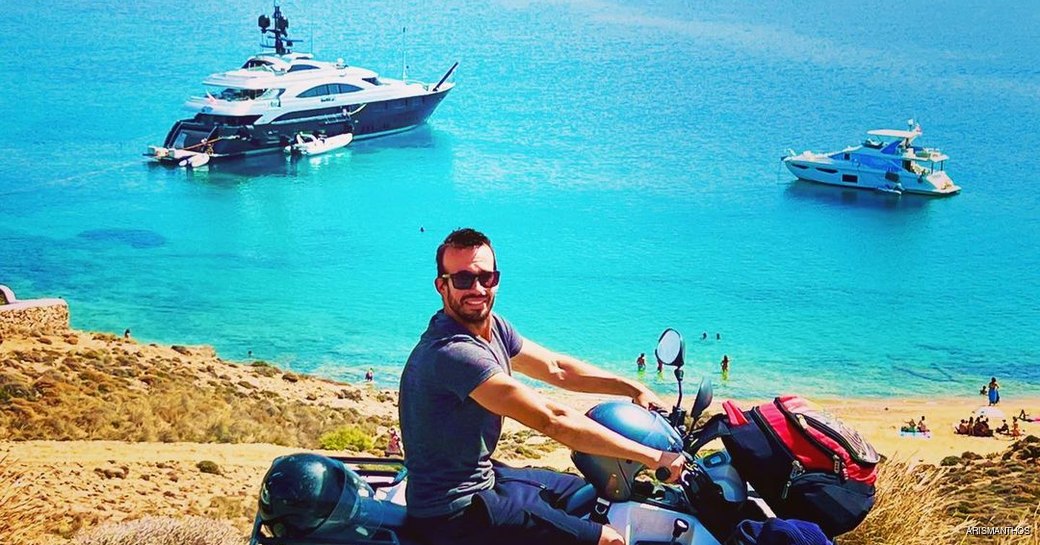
805,463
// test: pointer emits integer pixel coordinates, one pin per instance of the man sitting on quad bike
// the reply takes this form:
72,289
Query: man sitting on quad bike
456,387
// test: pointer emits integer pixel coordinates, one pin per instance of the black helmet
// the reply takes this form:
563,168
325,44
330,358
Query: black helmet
613,477
309,494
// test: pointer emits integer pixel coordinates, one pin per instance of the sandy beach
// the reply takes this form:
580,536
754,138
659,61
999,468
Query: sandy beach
85,483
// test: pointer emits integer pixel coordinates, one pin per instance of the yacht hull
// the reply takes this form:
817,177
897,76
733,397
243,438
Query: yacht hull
822,170
378,118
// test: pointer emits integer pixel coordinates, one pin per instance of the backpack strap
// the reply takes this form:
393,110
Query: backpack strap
599,511
717,426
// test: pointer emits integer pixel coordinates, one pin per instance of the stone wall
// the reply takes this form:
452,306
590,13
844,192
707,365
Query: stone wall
31,315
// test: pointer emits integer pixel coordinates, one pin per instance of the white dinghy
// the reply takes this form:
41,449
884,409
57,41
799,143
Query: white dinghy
309,144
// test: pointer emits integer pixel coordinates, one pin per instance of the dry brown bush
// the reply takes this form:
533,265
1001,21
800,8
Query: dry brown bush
21,519
909,509
149,400
164,531
930,506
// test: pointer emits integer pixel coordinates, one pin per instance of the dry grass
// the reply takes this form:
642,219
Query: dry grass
928,506
114,394
911,509
524,445
20,516
164,531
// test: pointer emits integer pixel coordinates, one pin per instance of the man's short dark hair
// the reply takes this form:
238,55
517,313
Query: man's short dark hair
462,238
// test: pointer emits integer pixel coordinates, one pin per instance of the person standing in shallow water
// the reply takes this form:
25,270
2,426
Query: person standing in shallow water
457,386
725,367
641,362
994,394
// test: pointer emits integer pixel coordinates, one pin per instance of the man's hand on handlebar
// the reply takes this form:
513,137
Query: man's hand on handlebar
673,463
648,400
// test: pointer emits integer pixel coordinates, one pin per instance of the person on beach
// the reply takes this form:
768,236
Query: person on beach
393,444
994,394
1022,415
370,375
126,334
921,426
982,392
641,362
982,429
456,387
1016,432
962,428
1003,428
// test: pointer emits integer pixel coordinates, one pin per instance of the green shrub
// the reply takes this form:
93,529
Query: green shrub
950,461
347,438
264,369
207,466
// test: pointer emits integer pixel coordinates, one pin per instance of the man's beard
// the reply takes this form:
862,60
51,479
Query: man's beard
472,316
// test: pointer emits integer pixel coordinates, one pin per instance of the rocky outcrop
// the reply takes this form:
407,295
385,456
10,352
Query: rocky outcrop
31,315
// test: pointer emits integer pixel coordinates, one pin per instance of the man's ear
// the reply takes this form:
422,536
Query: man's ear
440,284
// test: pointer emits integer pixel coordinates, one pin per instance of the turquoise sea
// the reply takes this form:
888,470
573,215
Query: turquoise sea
624,159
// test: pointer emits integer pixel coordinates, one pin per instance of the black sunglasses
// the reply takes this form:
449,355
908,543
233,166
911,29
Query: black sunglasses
463,280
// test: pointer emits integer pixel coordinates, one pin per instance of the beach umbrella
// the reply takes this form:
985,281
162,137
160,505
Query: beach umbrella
992,413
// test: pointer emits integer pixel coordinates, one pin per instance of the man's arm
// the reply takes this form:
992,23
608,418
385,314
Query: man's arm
505,396
569,373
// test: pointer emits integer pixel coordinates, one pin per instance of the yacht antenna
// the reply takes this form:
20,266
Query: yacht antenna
404,53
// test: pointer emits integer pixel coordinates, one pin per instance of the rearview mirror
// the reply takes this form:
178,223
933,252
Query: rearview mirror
670,348
703,400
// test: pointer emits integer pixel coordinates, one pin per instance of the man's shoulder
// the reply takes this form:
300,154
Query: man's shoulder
446,348
500,320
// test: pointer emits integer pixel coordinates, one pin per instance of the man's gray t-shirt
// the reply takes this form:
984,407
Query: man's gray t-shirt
448,437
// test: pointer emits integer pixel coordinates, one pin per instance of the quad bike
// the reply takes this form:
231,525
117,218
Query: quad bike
308,499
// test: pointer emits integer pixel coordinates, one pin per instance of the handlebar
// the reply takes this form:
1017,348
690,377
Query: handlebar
693,479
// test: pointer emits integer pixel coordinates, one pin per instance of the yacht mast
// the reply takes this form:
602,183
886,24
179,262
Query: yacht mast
280,31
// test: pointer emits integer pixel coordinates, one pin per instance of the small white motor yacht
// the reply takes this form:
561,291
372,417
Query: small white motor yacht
309,144
889,164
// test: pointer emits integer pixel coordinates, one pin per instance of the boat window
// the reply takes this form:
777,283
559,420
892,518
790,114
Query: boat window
850,178
235,94
256,63
318,91
373,80
298,67
827,170
340,88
